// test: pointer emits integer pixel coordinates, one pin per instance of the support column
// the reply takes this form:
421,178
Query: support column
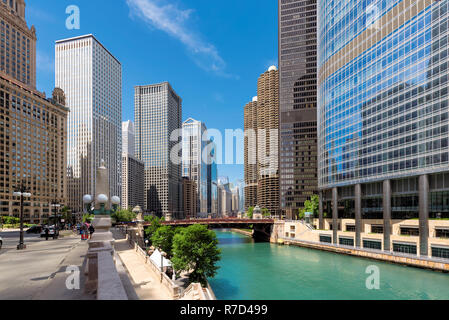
335,215
358,215
387,214
424,215
321,217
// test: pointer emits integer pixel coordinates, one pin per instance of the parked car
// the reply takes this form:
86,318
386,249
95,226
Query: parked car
1,243
35,229
52,233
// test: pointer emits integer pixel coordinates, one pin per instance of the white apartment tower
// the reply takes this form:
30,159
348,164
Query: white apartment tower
91,78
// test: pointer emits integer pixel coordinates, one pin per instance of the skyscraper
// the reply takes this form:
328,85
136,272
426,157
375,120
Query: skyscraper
383,116
92,79
262,144
193,165
158,114
298,103
33,139
128,137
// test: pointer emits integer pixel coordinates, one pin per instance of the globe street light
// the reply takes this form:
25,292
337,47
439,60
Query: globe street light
21,192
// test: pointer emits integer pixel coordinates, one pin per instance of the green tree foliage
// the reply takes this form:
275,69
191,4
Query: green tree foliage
10,220
152,228
266,213
312,206
163,238
88,218
124,216
250,212
195,249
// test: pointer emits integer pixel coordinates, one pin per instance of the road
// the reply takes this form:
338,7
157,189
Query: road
39,271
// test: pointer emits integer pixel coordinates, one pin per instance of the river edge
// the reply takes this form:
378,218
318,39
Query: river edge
243,232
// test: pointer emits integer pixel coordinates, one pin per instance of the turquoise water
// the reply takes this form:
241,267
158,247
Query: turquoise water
262,271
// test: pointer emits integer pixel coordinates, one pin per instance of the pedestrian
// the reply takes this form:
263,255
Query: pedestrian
47,233
91,230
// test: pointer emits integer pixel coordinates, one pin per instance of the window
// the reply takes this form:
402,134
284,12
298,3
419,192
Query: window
325,239
439,252
347,242
372,244
410,231
377,229
404,248
442,233
350,228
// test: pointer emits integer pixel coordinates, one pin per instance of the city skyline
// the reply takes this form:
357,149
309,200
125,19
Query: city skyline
219,101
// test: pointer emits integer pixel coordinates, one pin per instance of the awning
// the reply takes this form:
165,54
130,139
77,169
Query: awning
156,258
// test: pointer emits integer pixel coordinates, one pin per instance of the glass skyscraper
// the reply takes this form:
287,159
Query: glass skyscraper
158,113
383,113
91,78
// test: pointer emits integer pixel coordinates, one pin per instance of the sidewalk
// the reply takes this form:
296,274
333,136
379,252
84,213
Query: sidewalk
146,283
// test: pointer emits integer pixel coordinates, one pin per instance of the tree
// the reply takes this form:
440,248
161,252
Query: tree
311,206
250,212
266,213
124,216
163,239
153,227
195,249
88,218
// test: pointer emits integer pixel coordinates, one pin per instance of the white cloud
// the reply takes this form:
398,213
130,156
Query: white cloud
172,20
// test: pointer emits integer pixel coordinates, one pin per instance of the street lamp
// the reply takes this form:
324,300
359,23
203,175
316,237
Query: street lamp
22,192
56,205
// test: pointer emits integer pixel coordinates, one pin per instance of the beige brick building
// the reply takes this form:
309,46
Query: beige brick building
33,129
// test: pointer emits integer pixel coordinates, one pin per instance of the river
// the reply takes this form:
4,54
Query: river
263,271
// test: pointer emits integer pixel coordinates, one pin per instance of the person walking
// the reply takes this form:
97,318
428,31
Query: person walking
47,233
91,230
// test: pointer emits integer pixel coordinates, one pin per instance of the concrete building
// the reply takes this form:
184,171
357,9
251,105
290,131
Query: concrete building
33,128
383,123
250,169
235,207
133,182
158,114
262,144
189,198
18,51
298,103
193,165
128,138
224,197
91,77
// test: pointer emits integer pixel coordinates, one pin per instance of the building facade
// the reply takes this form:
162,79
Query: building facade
250,169
133,182
298,103
224,197
33,128
128,138
158,125
194,165
212,180
262,144
189,198
18,50
383,119
91,77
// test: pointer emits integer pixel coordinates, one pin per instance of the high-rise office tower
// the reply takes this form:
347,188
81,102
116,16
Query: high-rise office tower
251,176
33,128
92,80
298,103
212,180
133,182
128,138
383,116
193,165
158,114
189,198
18,51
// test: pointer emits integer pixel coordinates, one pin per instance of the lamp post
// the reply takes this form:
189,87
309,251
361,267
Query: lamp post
22,192
56,205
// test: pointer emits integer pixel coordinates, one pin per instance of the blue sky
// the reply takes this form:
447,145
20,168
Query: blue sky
211,51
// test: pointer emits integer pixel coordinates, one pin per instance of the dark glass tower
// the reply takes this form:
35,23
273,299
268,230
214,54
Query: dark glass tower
298,103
